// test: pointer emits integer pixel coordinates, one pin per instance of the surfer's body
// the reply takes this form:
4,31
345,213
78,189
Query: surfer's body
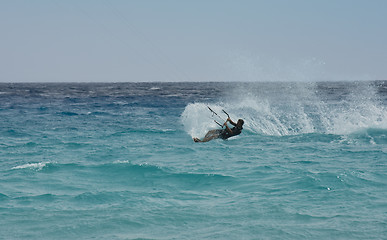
223,133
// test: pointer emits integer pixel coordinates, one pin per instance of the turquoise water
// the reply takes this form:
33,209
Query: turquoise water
117,161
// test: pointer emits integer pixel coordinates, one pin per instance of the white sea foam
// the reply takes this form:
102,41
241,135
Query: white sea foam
121,162
35,166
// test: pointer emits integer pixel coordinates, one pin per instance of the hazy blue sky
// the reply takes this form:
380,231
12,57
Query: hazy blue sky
178,40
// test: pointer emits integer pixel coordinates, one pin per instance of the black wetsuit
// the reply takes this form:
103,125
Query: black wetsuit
225,134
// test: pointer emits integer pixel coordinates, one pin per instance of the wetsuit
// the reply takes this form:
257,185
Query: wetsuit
225,134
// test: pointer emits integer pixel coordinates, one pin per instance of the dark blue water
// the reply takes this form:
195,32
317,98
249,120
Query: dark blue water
117,161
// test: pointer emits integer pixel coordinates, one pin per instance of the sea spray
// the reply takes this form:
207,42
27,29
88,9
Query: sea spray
361,108
294,108
198,119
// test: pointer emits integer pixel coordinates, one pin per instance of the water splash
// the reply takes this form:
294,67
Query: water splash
295,108
197,119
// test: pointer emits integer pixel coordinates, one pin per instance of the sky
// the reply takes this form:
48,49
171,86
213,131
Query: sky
202,40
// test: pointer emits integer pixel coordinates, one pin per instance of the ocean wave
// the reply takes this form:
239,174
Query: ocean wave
140,175
68,113
95,198
35,166
151,175
368,136
154,88
100,113
49,167
3,197
47,197
76,145
15,133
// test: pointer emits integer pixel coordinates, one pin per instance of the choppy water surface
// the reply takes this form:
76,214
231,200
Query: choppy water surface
117,161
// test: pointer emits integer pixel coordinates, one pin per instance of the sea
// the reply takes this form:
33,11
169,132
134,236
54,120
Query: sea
117,161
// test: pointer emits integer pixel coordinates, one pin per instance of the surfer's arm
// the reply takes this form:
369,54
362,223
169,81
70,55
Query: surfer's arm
233,123
227,128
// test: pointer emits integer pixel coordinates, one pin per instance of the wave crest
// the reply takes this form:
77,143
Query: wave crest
35,166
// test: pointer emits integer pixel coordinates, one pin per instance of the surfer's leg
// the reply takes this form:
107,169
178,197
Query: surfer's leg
210,133
206,139
213,134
